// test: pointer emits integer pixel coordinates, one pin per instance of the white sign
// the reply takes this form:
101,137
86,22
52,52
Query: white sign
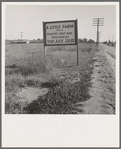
60,33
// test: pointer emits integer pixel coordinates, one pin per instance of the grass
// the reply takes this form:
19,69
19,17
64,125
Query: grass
25,66
61,97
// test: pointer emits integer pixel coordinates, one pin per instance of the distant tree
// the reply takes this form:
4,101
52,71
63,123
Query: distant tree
91,41
38,39
80,40
108,43
105,42
85,40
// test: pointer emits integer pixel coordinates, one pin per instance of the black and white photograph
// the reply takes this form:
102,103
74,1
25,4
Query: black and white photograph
61,59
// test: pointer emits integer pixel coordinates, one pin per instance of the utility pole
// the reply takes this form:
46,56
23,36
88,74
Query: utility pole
98,22
21,35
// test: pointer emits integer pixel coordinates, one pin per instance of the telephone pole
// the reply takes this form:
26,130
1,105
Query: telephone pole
98,22
21,35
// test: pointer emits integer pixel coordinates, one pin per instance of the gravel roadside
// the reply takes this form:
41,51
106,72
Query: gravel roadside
102,92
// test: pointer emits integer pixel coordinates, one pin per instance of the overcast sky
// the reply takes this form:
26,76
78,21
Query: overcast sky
28,19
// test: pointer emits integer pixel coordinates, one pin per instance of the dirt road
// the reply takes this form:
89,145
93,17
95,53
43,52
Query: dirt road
102,92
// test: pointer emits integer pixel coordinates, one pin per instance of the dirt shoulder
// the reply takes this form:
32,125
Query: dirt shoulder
102,92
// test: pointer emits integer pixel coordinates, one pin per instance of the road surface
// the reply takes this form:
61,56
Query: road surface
103,90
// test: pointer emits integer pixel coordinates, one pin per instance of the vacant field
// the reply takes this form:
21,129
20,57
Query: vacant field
66,82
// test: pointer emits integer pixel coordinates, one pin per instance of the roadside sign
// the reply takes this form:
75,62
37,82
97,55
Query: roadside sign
60,33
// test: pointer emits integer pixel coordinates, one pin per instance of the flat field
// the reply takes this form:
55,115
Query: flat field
57,71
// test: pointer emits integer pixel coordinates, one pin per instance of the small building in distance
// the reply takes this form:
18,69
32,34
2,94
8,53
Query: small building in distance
18,41
24,41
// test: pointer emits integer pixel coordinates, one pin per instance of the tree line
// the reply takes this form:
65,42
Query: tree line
84,40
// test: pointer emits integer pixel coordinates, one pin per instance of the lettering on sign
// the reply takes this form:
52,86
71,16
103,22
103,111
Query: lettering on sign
60,33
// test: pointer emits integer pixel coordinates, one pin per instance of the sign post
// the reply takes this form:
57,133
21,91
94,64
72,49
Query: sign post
60,33
44,45
77,42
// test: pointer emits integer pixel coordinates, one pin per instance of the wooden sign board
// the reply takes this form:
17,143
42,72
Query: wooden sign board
60,33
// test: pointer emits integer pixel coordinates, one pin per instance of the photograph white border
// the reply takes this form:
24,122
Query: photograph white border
60,130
